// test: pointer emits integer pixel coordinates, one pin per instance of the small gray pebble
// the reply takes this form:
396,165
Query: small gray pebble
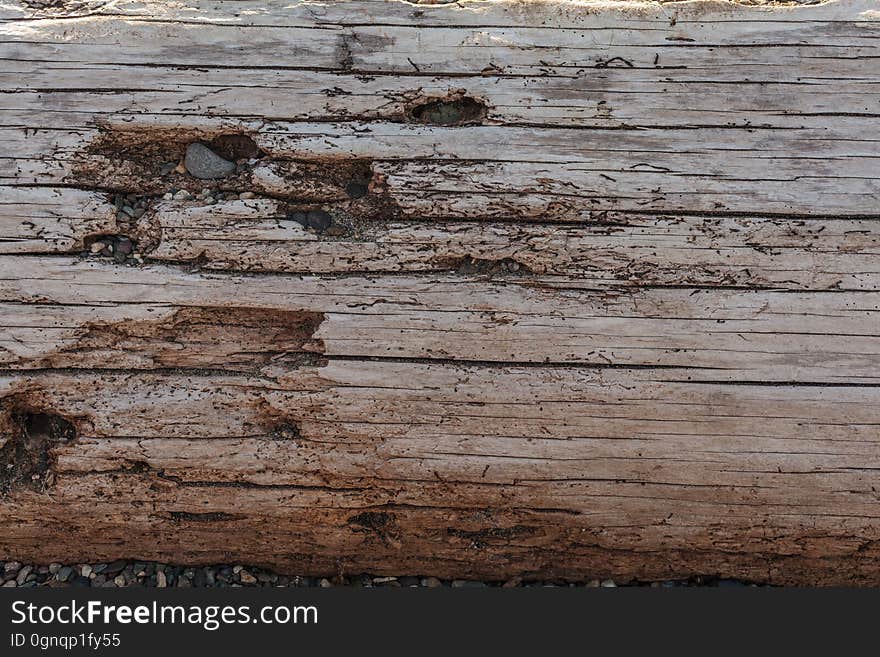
319,219
356,189
203,163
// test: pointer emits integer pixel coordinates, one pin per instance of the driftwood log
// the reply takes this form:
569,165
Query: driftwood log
495,289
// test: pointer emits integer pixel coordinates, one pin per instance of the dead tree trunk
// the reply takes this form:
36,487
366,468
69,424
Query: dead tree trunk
491,289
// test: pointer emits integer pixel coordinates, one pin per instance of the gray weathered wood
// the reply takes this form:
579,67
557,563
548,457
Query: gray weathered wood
619,319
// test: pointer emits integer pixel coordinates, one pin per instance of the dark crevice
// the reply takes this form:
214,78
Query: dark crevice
211,516
455,110
26,458
379,524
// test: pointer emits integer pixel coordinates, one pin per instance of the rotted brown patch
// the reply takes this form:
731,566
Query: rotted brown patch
213,516
454,109
149,161
328,179
64,7
487,266
380,524
30,435
281,424
338,197
237,339
482,538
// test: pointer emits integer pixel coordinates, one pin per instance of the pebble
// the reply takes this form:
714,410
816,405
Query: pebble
167,196
119,565
182,195
23,574
319,219
123,573
356,189
203,163
247,195
123,246
300,218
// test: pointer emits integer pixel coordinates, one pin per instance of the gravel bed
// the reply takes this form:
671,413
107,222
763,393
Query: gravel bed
157,575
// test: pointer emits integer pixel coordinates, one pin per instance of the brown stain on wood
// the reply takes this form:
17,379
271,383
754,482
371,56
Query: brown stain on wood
226,338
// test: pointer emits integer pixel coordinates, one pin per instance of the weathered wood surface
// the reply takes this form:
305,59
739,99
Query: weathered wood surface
613,313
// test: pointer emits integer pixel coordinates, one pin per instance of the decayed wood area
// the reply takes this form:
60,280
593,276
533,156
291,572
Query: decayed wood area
593,289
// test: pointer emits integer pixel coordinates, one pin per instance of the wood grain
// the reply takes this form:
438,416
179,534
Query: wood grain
611,311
